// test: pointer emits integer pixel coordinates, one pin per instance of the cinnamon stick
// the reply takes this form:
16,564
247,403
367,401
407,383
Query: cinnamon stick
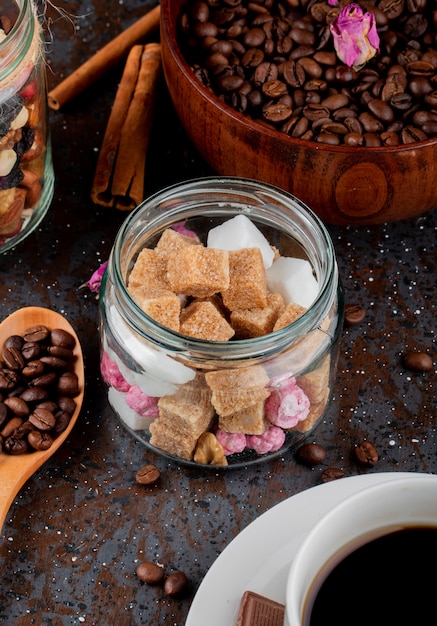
119,177
104,59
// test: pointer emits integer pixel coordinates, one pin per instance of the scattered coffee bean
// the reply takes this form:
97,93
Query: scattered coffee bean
366,454
150,573
147,475
353,314
332,473
176,584
417,361
311,454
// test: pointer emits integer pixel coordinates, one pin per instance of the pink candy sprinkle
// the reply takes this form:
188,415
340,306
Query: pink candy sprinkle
270,441
141,403
231,442
287,405
112,375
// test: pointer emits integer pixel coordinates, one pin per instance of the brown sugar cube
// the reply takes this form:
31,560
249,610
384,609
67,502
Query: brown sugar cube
188,411
163,305
258,610
316,386
149,271
198,271
203,321
316,410
183,417
316,382
171,242
290,314
250,421
217,301
249,323
248,281
173,443
237,389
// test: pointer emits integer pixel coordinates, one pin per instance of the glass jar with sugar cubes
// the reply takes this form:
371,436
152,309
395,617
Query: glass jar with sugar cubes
221,312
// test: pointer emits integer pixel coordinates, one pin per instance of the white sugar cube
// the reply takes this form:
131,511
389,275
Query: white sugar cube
294,280
238,233
156,365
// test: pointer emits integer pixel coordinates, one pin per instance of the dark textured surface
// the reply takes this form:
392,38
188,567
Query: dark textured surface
79,527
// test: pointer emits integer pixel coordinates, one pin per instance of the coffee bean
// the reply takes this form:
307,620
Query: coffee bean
147,475
8,379
68,385
176,584
14,341
36,334
46,380
54,362
353,314
17,406
42,419
150,573
50,405
39,440
11,426
311,454
366,454
13,358
62,420
33,369
15,446
332,473
67,404
3,414
61,352
34,394
31,350
417,361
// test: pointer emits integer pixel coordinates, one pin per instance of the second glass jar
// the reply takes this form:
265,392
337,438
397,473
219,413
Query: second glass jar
26,168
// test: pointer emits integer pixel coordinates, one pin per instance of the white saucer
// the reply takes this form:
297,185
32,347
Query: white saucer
259,557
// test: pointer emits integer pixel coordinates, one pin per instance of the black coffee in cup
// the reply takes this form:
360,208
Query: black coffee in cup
388,581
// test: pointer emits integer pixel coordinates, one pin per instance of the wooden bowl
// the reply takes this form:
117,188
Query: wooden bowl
341,184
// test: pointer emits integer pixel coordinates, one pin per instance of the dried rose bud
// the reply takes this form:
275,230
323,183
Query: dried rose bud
356,38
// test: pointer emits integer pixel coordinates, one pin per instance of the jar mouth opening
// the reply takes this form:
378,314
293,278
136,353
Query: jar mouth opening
222,198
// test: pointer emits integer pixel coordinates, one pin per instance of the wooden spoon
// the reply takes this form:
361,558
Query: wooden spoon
15,470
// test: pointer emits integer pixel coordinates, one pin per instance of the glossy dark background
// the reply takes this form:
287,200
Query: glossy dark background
76,532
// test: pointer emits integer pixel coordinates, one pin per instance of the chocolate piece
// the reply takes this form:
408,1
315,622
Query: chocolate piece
257,610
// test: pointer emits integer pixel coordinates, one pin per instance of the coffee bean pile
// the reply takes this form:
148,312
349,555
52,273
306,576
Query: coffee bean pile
274,61
37,389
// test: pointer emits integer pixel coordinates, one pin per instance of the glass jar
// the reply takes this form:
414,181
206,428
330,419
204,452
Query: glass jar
220,402
26,168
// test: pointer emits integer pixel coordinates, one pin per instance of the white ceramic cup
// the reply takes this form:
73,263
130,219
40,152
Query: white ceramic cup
367,514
